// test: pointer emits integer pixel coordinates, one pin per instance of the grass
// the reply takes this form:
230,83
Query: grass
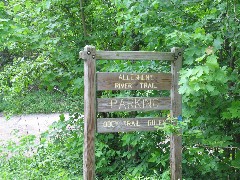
40,101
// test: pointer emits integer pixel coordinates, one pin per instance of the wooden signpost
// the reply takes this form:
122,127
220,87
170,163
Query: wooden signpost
129,81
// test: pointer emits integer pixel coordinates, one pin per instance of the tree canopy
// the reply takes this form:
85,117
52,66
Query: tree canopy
39,46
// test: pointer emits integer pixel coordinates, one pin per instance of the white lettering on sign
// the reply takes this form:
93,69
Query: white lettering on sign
131,123
135,103
147,85
132,77
123,85
110,124
154,122
135,77
113,124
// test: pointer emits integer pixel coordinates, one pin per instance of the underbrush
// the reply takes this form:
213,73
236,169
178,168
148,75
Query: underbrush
40,101
58,154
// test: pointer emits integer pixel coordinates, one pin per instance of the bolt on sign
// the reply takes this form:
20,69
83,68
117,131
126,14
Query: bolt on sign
101,81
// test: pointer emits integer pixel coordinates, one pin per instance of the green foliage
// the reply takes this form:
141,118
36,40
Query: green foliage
128,155
39,47
59,153
40,101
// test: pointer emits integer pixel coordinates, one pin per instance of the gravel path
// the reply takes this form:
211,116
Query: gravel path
33,124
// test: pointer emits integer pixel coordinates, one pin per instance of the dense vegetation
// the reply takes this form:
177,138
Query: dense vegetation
39,46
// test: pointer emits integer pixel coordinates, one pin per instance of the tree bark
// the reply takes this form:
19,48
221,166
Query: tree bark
83,21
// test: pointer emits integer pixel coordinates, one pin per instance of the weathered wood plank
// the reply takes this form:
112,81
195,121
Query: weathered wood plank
89,113
105,125
133,104
134,55
130,55
134,81
176,100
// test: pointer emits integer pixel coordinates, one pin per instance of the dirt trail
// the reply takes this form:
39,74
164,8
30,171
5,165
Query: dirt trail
25,124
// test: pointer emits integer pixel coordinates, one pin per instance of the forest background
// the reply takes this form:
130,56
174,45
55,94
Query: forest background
40,72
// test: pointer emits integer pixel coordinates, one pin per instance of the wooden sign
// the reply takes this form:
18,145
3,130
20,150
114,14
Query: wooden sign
133,104
105,125
129,81
134,81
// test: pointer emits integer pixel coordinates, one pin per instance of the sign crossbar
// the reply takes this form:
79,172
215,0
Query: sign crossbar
131,55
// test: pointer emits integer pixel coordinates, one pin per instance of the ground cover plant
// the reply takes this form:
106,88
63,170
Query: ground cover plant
40,101
39,46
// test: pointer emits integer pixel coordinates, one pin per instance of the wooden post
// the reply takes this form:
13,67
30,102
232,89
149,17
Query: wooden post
89,55
176,100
